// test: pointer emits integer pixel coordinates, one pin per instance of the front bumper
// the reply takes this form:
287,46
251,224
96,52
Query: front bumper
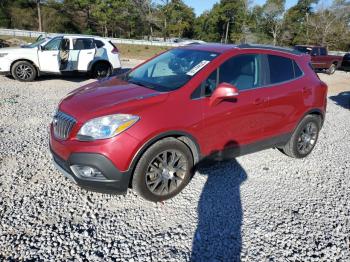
115,182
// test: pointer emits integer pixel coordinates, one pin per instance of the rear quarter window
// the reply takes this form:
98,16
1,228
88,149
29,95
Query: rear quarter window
297,70
99,43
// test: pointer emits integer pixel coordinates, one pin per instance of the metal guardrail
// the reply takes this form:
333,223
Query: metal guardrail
35,34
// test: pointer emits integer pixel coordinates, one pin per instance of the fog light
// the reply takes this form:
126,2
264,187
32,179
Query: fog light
87,172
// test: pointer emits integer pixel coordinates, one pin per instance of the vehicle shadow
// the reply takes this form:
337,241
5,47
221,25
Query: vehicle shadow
218,233
342,99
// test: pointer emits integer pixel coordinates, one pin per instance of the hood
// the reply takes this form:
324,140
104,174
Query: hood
17,50
108,97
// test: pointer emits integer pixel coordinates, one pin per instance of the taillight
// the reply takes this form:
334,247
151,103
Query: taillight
115,50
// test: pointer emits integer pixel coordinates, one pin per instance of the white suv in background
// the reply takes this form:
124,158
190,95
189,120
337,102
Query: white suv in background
61,55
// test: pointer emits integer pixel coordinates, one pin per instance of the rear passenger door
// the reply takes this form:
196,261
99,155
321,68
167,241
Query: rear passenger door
86,48
285,91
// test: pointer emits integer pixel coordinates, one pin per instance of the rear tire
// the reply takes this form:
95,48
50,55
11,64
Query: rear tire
163,170
331,70
23,71
101,70
304,137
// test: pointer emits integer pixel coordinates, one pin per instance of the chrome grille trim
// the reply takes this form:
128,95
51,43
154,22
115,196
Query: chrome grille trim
62,125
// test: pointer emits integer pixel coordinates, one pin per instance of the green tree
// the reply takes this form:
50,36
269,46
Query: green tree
272,18
295,30
178,19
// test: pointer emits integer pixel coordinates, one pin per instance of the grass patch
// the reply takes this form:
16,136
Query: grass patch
140,51
23,38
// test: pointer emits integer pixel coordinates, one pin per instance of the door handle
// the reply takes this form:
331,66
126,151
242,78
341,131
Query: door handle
89,53
260,101
54,55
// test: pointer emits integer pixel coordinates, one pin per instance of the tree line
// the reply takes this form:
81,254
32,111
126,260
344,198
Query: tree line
229,21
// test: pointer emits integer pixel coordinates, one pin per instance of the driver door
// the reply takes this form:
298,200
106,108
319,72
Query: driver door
232,124
49,56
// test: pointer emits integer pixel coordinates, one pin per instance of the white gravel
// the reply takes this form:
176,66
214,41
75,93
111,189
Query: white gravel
262,207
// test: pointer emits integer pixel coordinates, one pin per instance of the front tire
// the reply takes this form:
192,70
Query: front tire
24,71
163,170
304,137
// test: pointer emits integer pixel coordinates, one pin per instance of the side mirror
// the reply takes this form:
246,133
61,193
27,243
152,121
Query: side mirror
224,91
40,48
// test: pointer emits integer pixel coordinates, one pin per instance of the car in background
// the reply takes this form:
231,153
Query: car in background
185,41
149,128
63,55
3,44
320,58
345,65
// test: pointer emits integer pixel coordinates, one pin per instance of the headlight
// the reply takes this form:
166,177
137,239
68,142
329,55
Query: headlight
106,126
3,54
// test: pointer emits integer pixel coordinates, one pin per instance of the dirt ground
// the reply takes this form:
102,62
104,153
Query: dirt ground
337,83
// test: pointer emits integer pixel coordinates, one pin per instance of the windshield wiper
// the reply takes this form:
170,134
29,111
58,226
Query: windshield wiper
139,83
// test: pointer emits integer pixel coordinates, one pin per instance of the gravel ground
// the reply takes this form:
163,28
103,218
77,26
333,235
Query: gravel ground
263,206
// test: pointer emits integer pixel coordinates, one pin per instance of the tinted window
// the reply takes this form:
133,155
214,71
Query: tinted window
210,83
54,44
83,43
241,71
303,49
314,51
281,69
297,70
99,43
323,51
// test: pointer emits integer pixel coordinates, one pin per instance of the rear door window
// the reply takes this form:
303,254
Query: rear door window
83,44
281,69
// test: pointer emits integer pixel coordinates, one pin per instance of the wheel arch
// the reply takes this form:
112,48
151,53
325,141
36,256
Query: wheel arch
182,136
314,111
95,62
27,60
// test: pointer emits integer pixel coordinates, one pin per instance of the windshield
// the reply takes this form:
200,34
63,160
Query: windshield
37,43
170,70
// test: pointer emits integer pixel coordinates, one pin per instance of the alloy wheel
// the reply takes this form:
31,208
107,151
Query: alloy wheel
24,71
166,172
307,138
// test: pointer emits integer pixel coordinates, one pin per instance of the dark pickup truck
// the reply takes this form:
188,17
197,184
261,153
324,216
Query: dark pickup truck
320,59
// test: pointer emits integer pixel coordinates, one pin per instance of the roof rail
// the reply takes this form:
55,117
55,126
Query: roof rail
271,47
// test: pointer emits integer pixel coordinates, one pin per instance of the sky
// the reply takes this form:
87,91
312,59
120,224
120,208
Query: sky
201,5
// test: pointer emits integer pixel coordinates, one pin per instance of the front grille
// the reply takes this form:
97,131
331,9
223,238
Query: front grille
62,125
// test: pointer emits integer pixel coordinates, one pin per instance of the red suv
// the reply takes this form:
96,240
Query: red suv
148,129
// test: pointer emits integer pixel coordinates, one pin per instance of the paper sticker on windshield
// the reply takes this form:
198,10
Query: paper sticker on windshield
198,67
